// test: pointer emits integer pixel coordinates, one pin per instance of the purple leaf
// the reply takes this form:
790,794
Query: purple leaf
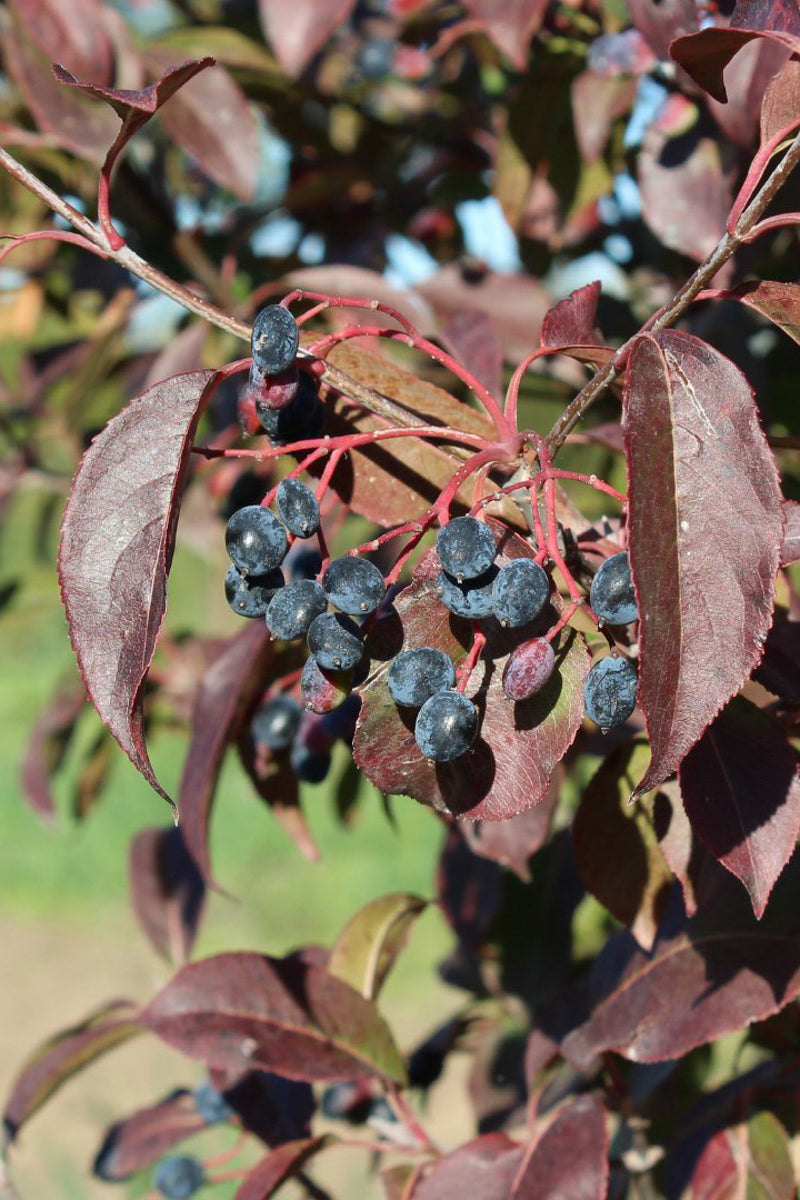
516,303
751,1158
570,1159
137,106
705,55
508,768
511,843
63,1055
139,1140
297,29
509,23
167,891
677,842
780,15
73,33
790,546
366,949
470,889
483,1169
228,690
597,101
781,102
116,548
659,21
778,302
617,850
748,77
704,578
572,322
279,1165
779,669
472,338
245,1010
48,744
742,795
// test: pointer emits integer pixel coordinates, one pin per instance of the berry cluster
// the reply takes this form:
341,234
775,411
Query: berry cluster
331,603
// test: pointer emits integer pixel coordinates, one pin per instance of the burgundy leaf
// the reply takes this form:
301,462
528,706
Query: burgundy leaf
704,572
742,795
572,322
778,302
366,949
659,21
748,78
752,1158
677,842
781,15
686,193
509,23
483,1169
116,548
781,103
516,303
779,669
182,353
617,851
512,843
228,690
167,891
470,889
790,547
48,744
63,1055
705,55
72,33
473,339
133,1144
245,1010
570,1159
721,971
508,768
297,29
279,1165
597,101
135,107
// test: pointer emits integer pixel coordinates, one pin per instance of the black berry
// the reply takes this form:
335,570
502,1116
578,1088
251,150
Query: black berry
466,548
178,1177
276,722
301,419
302,562
249,595
446,726
611,595
354,585
335,642
292,609
416,675
255,540
609,692
520,592
309,765
298,508
473,598
211,1104
275,339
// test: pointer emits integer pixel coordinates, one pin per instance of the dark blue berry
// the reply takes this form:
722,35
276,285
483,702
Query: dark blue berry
293,608
416,675
611,595
466,548
178,1177
255,540
335,642
354,585
298,507
346,1102
211,1105
249,595
275,339
302,562
609,692
446,726
247,489
301,419
309,765
380,1110
473,598
520,592
276,722
340,722
324,690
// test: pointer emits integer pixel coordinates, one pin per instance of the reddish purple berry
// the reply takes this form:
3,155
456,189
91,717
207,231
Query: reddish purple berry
528,669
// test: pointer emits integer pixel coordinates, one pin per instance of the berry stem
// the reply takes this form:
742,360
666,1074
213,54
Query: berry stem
467,667
298,470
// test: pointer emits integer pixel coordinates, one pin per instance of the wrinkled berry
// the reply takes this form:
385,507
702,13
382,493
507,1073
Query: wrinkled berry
474,598
250,595
520,592
276,721
275,339
298,508
274,391
466,548
528,669
446,726
609,692
324,690
354,585
335,642
416,675
293,608
211,1104
255,539
611,595
178,1177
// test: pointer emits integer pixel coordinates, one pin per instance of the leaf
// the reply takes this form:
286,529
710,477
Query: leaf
659,23
116,548
297,29
483,1169
616,848
509,23
790,547
62,1056
167,891
572,322
245,1010
570,1159
742,796
226,45
279,1165
752,1158
276,782
508,767
228,690
718,973
677,842
781,102
512,843
598,101
779,669
516,303
748,78
704,581
778,302
474,341
74,34
142,1138
365,950
212,121
706,54
48,744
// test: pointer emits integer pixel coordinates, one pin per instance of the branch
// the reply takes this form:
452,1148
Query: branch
728,244
331,375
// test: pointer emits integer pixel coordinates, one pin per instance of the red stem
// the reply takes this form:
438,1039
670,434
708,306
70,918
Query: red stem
476,649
